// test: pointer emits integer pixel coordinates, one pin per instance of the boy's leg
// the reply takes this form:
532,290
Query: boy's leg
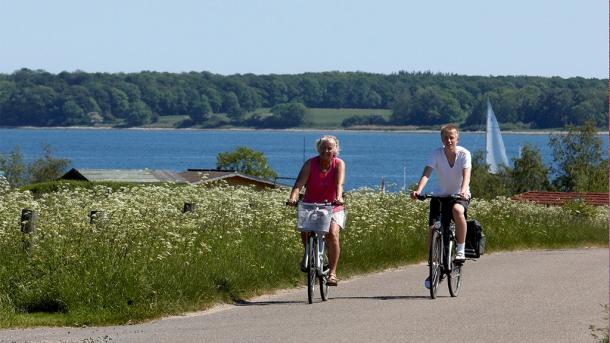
460,223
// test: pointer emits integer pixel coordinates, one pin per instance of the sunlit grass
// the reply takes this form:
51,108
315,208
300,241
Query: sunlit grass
142,257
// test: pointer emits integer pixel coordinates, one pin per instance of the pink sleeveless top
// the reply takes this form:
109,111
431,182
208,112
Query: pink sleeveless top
321,186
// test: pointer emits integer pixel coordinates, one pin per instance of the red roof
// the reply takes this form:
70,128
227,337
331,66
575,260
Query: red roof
558,198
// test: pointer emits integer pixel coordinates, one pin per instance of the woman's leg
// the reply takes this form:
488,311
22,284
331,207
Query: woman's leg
332,242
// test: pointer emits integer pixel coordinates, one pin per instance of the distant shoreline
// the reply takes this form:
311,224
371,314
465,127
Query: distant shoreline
409,129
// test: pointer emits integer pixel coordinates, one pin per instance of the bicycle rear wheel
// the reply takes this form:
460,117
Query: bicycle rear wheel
311,269
435,261
324,277
455,277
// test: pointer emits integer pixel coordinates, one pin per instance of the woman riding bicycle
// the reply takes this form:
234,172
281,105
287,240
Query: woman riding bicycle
323,178
453,166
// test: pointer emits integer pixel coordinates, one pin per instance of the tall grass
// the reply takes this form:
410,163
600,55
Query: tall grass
142,257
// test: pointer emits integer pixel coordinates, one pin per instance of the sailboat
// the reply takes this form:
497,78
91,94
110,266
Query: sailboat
495,151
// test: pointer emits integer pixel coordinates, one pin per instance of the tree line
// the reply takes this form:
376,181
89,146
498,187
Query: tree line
40,98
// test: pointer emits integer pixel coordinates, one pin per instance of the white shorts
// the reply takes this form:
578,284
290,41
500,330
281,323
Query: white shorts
339,219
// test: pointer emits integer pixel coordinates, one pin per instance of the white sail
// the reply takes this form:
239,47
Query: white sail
496,154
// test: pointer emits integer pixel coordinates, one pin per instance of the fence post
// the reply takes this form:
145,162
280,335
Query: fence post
28,221
188,207
28,229
95,216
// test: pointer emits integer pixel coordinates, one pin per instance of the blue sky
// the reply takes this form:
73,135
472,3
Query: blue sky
478,37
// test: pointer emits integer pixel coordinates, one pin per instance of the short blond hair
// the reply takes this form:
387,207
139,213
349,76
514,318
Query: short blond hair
330,139
449,127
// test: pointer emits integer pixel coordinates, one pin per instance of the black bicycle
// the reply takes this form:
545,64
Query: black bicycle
441,259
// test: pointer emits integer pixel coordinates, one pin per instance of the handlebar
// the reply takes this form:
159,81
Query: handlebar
423,197
334,203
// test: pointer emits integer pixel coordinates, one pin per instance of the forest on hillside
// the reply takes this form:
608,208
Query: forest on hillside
40,98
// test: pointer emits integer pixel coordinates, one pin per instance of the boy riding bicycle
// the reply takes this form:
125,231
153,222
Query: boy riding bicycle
453,165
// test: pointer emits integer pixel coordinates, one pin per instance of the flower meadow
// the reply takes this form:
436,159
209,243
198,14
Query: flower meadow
141,256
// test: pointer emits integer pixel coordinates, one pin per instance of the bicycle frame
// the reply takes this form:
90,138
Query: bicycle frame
319,244
314,220
448,242
442,241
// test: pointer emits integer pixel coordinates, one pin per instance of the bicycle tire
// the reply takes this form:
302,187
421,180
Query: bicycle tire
324,277
455,276
435,261
311,270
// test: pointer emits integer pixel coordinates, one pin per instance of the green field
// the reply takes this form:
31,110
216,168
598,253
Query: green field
331,118
168,121
315,118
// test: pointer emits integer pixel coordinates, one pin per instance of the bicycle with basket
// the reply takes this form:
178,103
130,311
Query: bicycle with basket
314,219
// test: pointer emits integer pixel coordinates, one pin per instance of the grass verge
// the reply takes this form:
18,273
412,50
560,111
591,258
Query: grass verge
142,257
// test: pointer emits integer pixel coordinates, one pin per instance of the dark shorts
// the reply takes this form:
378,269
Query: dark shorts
446,206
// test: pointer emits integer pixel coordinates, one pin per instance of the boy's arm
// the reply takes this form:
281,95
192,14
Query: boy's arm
422,182
465,182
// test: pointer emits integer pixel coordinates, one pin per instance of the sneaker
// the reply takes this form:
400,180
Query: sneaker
460,257
427,283
303,264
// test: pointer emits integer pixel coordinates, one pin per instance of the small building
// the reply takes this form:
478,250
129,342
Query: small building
559,198
232,177
123,175
193,176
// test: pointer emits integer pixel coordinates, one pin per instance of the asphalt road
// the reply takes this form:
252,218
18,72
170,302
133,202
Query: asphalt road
529,296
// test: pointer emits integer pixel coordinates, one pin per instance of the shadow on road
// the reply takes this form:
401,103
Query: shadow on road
265,303
386,297
290,302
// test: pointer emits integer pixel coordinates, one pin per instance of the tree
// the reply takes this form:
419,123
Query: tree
14,168
579,166
139,113
428,106
232,108
73,113
484,184
286,115
201,110
247,161
47,168
529,173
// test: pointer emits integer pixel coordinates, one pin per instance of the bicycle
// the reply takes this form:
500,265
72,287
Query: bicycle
441,258
314,219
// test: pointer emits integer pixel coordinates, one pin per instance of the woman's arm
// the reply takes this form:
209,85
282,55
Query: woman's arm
300,182
340,180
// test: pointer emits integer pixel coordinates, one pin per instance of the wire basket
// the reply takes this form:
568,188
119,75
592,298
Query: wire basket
314,217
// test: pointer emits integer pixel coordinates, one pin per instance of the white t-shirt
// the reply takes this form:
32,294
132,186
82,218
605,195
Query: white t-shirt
449,179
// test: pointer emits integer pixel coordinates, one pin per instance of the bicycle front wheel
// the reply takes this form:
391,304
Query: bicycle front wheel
455,277
311,269
324,277
435,261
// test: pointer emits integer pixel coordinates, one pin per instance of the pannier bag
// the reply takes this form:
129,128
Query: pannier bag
314,217
475,240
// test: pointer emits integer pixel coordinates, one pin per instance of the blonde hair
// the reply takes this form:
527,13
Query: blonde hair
448,127
329,139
